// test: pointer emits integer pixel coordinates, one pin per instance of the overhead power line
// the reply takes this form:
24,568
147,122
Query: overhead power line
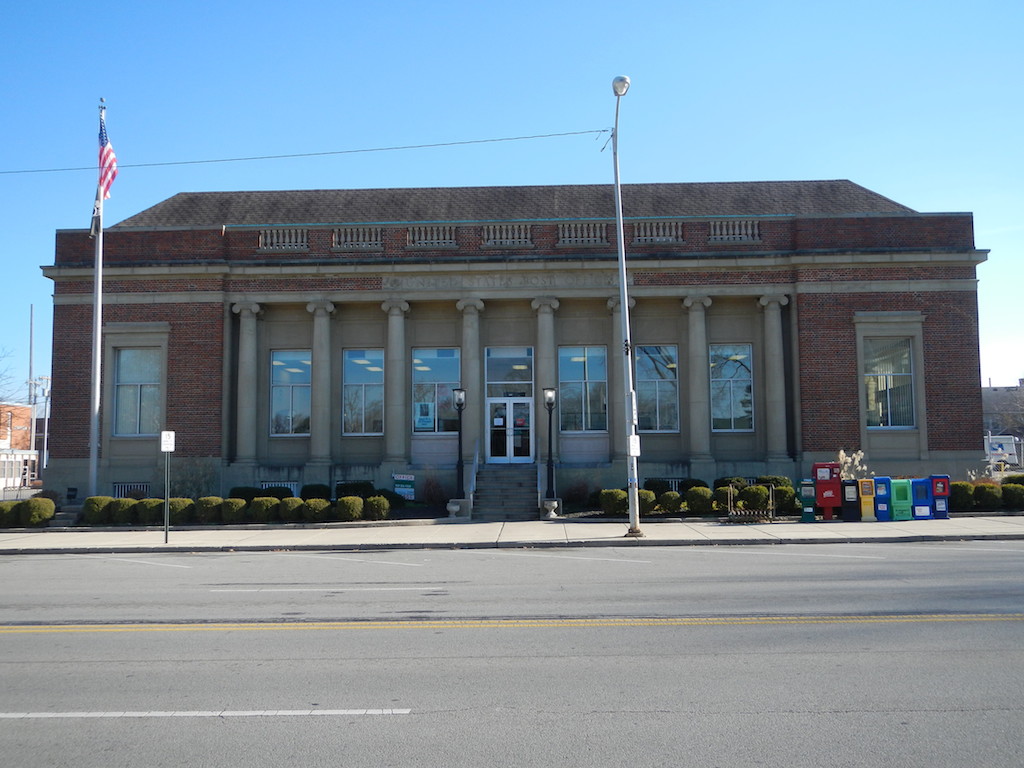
317,154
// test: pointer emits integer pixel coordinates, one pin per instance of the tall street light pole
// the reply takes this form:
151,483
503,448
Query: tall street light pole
619,87
459,396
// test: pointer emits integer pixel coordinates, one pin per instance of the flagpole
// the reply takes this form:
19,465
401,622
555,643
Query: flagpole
97,330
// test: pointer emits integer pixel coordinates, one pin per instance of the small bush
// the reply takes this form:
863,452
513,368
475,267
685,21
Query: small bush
181,511
698,501
961,496
988,497
394,500
246,492
433,493
1013,496
263,509
315,491
646,501
232,511
778,481
670,502
785,500
738,483
290,510
94,510
656,486
208,510
724,497
754,497
122,511
318,510
36,512
690,482
277,491
149,511
614,501
361,488
1013,480
8,517
376,508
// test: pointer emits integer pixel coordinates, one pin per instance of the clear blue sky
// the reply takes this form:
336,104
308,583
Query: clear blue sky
919,101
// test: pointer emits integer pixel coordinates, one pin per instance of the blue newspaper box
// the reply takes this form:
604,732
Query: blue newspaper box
902,502
921,492
883,498
940,496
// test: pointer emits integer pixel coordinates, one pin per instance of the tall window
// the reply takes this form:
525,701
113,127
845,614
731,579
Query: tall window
435,373
362,406
509,371
889,382
290,391
657,389
583,389
732,388
137,391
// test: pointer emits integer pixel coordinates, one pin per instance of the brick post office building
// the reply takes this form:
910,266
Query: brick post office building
316,336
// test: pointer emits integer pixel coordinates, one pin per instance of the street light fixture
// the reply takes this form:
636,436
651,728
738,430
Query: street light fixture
459,397
619,87
550,398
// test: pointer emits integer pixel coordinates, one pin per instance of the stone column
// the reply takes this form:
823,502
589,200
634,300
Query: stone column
248,376
774,377
320,394
698,377
396,396
471,377
546,374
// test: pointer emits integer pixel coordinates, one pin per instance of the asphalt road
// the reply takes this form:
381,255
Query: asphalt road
831,655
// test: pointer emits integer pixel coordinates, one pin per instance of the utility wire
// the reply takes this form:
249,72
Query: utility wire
317,154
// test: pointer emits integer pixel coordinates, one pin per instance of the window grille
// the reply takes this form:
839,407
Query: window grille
291,485
131,490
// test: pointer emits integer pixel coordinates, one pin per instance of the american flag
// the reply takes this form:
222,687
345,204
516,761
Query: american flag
108,161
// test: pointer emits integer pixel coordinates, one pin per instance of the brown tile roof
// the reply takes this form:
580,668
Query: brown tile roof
755,198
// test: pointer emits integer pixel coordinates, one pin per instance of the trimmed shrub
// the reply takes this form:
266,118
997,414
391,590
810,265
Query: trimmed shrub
988,496
690,482
46,494
181,511
263,509
1013,480
737,483
394,500
232,511
318,510
376,508
614,501
778,481
315,491
290,510
36,512
122,511
670,501
724,496
754,497
276,491
961,496
246,492
8,517
1013,496
698,501
149,511
786,501
361,488
208,510
646,500
656,486
94,510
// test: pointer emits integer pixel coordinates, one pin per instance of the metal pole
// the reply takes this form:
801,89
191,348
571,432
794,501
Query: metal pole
167,494
619,86
551,459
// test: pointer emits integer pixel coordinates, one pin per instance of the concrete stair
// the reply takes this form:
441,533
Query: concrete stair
506,492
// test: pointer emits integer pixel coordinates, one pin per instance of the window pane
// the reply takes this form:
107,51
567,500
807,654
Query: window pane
373,399
138,366
570,406
352,409
126,409
732,398
290,366
301,409
149,409
668,405
571,364
597,406
888,382
647,405
582,374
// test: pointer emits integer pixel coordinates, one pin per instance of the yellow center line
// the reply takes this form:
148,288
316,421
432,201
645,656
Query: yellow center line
682,621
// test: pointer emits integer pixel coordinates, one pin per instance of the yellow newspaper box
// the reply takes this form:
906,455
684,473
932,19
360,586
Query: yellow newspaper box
867,499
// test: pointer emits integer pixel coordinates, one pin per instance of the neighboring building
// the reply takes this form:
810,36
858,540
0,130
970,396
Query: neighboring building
17,459
1003,409
316,336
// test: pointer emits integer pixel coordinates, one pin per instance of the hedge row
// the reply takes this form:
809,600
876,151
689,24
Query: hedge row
697,500
213,510
987,496
27,513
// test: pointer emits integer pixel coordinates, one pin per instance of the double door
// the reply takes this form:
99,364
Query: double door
509,430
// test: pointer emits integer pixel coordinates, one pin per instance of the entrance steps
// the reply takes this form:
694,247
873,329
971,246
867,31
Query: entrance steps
506,492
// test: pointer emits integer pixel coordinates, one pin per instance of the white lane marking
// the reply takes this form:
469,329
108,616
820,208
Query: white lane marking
328,589
501,552
939,546
738,551
130,560
355,560
205,713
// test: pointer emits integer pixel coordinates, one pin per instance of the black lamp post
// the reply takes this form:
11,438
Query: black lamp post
459,397
550,396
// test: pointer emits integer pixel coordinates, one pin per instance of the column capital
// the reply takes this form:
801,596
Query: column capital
470,305
780,299
697,302
549,303
395,306
246,306
316,307
613,303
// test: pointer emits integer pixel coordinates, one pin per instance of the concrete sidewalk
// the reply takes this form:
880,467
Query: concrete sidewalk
453,534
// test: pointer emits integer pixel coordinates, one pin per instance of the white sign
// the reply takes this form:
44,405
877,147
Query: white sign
167,442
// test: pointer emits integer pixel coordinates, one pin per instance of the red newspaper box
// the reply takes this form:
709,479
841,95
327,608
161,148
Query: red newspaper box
828,487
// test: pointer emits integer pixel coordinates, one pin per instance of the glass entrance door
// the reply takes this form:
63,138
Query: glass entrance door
510,430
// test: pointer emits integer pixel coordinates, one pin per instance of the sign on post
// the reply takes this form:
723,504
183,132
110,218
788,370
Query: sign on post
167,442
167,448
